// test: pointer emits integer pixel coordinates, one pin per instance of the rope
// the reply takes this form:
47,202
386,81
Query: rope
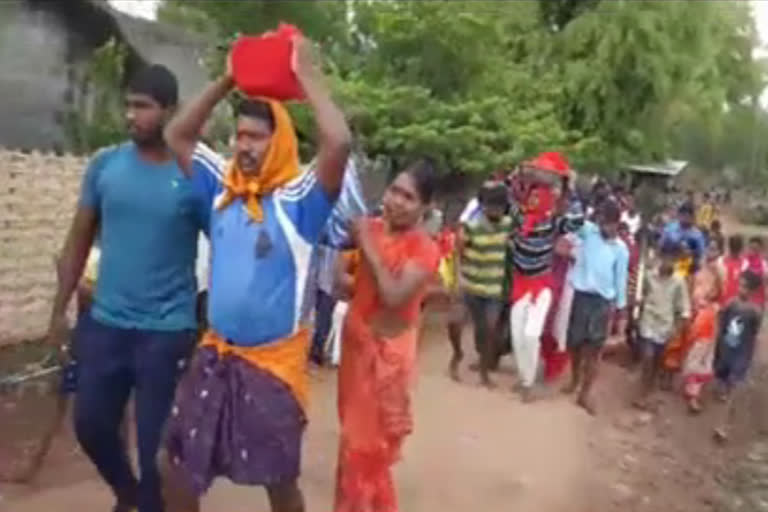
42,369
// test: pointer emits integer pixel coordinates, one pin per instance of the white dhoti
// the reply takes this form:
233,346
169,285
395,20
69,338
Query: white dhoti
334,336
527,320
563,317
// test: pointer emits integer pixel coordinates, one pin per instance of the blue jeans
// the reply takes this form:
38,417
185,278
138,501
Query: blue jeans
112,363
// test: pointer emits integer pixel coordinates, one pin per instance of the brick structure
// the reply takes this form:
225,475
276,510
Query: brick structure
38,194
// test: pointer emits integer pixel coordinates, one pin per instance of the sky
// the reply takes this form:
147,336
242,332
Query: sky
138,8
148,9
760,12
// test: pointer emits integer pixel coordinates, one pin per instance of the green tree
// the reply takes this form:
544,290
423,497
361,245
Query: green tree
416,77
323,21
96,119
482,84
728,139
556,14
632,71
428,84
190,16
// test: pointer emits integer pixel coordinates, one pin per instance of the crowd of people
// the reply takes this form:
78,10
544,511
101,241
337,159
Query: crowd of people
218,371
572,278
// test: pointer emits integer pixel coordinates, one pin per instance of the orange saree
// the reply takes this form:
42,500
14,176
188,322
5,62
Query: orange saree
377,368
707,287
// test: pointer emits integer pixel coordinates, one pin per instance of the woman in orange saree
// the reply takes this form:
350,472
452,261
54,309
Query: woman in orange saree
698,367
398,263
707,287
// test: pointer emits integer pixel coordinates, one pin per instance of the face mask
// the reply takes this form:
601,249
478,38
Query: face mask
539,206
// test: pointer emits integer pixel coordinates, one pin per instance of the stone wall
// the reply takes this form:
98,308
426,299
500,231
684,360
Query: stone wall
33,82
38,194
38,54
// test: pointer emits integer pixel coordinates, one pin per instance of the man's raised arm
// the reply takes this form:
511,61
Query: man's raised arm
334,138
184,130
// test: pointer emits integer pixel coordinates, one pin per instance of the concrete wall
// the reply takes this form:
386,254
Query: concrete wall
32,77
36,53
163,44
38,191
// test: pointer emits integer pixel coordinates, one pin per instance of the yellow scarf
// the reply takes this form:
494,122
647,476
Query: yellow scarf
279,166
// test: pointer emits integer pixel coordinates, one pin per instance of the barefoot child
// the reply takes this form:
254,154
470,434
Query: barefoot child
739,324
674,354
600,284
483,268
664,311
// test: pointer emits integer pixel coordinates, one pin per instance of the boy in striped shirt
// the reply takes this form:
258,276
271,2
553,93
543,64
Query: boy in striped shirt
482,269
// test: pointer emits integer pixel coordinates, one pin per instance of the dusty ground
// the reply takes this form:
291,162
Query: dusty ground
481,450
473,449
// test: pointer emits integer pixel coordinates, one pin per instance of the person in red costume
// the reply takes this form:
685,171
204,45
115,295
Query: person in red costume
755,261
544,218
554,355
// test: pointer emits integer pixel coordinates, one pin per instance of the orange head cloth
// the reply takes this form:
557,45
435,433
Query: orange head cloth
279,166
551,162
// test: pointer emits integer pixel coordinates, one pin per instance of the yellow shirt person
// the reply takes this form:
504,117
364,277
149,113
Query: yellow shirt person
705,215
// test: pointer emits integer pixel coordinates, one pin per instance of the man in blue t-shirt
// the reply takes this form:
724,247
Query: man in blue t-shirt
141,327
683,231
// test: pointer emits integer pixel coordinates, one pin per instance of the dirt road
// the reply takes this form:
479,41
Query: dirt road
473,449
